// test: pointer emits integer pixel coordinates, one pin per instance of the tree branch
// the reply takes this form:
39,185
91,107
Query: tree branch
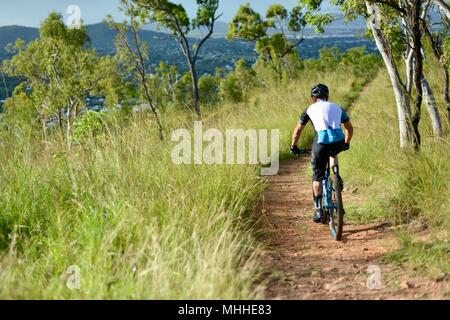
292,47
202,42
391,4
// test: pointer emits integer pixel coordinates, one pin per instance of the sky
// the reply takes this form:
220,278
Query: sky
32,12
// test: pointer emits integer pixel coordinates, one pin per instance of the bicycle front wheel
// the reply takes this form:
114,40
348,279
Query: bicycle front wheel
336,222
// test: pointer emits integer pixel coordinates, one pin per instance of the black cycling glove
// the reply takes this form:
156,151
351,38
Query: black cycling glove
295,150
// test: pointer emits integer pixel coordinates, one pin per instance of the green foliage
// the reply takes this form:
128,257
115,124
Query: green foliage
396,38
276,12
183,90
297,21
230,89
312,16
236,85
354,60
88,126
429,258
54,28
286,69
59,72
209,89
132,56
446,56
206,12
276,51
173,91
167,14
318,21
247,24
163,85
174,18
329,58
352,9
19,112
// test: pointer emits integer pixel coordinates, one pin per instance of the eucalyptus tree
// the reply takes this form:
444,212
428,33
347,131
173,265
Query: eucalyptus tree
289,28
396,28
401,21
174,18
59,73
439,41
132,53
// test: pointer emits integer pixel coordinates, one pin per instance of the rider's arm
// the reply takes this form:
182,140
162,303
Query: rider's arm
348,126
297,133
304,119
348,131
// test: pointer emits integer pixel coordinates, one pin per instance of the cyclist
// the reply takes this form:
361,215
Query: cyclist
329,140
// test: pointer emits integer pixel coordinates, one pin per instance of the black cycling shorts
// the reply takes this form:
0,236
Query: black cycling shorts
320,155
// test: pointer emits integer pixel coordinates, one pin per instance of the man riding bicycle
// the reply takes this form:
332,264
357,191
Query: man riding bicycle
329,140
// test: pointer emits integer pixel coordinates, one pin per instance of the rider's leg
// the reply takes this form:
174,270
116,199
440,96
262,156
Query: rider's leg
334,163
318,194
319,162
335,167
317,187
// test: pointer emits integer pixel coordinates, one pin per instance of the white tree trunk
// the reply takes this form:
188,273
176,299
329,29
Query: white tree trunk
409,71
402,100
432,108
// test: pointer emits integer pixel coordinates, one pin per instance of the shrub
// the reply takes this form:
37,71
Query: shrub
236,85
90,125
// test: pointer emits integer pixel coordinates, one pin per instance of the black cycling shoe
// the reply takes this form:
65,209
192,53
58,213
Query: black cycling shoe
318,216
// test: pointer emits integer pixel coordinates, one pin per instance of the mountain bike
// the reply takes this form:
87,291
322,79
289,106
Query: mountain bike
332,203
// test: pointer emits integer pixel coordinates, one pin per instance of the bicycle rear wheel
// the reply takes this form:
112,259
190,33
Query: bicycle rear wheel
336,222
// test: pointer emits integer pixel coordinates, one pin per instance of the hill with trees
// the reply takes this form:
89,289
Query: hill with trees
219,52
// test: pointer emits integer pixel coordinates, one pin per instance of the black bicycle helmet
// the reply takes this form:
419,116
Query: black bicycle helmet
320,91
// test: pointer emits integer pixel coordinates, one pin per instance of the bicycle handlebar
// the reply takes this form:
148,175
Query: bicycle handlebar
296,151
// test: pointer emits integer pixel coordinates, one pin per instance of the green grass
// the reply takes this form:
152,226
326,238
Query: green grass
138,226
429,258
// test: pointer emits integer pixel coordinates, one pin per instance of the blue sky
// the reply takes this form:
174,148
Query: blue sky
33,12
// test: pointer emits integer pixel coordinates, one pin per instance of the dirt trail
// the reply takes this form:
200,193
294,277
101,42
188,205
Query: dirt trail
306,263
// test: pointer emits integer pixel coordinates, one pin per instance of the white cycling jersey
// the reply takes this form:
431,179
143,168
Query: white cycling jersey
327,118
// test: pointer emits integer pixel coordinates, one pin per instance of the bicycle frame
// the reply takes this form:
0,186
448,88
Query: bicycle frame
327,192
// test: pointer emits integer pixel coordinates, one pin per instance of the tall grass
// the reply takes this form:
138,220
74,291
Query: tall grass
138,226
401,186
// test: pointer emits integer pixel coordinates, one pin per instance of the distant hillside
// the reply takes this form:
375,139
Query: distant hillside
220,30
338,27
217,53
9,34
